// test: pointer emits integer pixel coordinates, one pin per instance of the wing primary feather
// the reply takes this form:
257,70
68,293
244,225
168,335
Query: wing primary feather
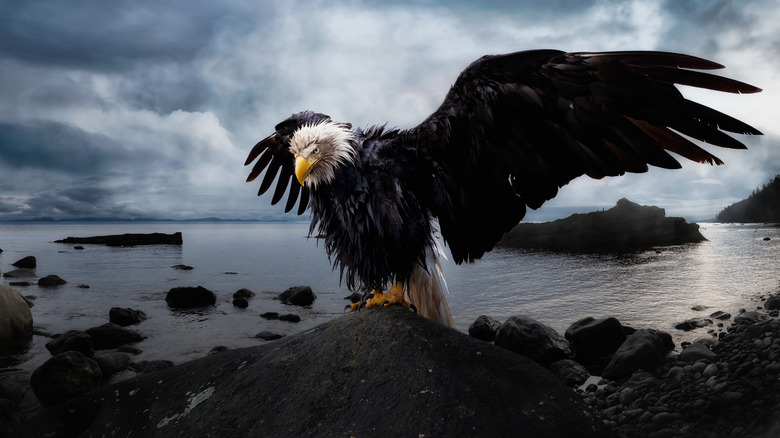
304,200
295,189
258,168
281,186
270,174
260,147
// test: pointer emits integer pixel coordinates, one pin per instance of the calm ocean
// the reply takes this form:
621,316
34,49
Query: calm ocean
655,288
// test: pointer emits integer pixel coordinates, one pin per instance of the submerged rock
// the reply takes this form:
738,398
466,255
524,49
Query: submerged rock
28,262
438,381
110,335
190,297
126,316
51,281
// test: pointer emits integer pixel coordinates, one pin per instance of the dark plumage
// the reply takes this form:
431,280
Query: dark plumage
511,131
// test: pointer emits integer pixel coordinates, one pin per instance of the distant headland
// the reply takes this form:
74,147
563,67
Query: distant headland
763,205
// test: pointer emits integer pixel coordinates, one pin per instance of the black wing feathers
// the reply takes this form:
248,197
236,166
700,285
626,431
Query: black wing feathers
514,128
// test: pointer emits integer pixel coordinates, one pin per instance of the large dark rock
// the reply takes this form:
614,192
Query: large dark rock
15,316
190,297
644,349
694,323
111,362
485,328
532,339
28,262
625,227
594,338
72,340
65,376
388,373
110,335
298,296
126,316
128,239
51,281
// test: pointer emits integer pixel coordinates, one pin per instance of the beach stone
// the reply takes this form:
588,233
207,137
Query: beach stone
692,324
485,328
16,318
51,281
181,267
19,273
593,338
290,318
71,340
110,335
241,302
697,351
354,297
28,262
65,376
111,362
298,296
270,315
532,339
720,315
126,316
243,293
387,358
269,336
190,297
772,303
642,350
748,318
569,372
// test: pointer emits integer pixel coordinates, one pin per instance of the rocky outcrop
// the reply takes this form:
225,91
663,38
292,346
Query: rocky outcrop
625,227
387,372
128,239
15,317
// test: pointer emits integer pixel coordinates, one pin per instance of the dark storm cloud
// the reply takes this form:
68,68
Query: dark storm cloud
105,34
56,146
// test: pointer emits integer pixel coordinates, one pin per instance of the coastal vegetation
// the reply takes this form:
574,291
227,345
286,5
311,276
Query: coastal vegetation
763,205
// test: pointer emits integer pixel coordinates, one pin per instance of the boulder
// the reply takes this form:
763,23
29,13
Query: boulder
772,303
425,378
190,297
642,350
126,316
111,362
290,317
28,262
697,351
51,281
532,339
19,273
270,315
15,317
110,335
748,318
241,302
692,324
594,338
243,293
485,328
298,296
65,376
72,340
569,372
720,315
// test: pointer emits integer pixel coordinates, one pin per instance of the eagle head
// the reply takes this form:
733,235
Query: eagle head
319,149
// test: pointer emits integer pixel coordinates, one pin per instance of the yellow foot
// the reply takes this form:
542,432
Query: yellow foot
375,298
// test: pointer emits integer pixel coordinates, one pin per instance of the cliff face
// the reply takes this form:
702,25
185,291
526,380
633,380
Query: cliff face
624,227
377,372
761,206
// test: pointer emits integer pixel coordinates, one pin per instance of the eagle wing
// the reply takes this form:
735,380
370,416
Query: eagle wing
514,128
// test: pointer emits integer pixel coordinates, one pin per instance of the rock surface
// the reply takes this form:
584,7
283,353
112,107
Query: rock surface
337,380
15,317
64,376
125,316
190,297
298,296
627,226
128,239
28,262
532,339
110,335
71,340
51,281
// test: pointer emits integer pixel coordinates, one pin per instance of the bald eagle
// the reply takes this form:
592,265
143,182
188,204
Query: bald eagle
512,130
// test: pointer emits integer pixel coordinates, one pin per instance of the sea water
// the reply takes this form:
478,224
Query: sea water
654,288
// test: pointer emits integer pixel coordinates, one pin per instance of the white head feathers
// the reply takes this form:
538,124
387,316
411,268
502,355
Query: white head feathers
325,145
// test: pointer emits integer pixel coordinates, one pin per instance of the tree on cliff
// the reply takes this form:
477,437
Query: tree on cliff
763,205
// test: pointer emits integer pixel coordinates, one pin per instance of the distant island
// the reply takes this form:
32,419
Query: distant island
625,227
763,205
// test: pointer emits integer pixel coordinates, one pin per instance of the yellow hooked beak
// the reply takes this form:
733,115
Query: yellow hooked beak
302,168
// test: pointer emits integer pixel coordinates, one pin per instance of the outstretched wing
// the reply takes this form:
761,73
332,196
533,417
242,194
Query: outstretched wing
274,153
514,128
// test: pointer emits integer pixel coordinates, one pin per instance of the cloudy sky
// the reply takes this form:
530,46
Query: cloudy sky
136,108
